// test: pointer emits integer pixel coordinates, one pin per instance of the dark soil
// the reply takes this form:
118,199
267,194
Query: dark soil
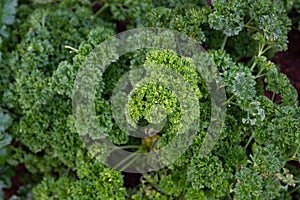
289,61
16,181
131,180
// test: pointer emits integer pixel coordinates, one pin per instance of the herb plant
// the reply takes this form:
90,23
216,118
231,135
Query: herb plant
6,171
261,137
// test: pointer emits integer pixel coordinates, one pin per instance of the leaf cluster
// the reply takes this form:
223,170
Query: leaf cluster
260,136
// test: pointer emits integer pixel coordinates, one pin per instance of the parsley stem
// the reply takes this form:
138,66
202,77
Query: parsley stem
295,154
249,141
124,160
134,158
72,48
250,20
230,98
294,190
224,42
7,111
266,49
43,20
259,73
273,96
128,147
261,50
250,27
230,102
101,9
253,65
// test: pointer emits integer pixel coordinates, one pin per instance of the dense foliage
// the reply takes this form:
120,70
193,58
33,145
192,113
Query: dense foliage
46,43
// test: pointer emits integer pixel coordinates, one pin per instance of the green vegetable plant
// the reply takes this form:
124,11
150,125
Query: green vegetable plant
260,141
7,17
5,151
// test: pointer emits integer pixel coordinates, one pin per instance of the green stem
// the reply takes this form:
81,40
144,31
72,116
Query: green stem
224,42
43,20
273,96
128,147
250,27
102,9
261,51
125,160
247,24
253,65
266,49
131,161
295,154
294,190
259,73
228,100
72,48
249,141
7,111
34,106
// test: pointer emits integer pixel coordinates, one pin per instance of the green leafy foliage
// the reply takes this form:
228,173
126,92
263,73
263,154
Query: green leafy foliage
7,13
94,181
7,17
227,16
53,38
44,70
6,171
